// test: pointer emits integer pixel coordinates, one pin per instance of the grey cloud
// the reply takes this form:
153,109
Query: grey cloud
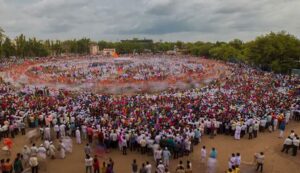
162,9
59,28
158,19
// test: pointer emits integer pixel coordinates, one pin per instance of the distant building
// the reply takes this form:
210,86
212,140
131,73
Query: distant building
108,52
144,41
94,49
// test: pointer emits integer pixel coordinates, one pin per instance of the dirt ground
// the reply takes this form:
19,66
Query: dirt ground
275,161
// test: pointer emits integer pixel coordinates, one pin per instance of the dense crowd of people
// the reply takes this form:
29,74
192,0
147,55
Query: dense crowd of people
166,125
126,69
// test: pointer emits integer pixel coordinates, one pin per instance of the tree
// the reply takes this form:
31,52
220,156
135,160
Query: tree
225,52
83,46
1,33
236,43
275,51
20,45
56,47
201,49
8,48
2,36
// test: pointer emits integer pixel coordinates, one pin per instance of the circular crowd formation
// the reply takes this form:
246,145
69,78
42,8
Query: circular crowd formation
116,75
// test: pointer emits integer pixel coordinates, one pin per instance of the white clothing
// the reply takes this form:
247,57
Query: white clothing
78,136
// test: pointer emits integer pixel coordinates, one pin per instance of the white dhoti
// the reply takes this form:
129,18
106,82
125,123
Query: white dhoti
68,145
166,162
211,165
84,135
203,159
62,153
62,133
47,135
78,137
237,134
52,151
42,155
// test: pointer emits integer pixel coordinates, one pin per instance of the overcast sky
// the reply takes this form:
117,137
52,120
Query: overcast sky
168,20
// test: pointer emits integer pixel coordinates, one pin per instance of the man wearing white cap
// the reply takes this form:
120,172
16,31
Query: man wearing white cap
26,154
42,152
160,167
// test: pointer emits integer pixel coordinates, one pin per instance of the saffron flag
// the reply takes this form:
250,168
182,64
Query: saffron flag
115,55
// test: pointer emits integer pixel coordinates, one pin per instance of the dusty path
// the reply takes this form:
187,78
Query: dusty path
276,162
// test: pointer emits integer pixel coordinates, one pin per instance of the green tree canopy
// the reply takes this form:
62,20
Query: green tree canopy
275,51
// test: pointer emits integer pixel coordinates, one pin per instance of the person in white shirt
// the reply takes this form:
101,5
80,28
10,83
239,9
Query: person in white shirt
238,159
26,154
243,130
78,136
124,146
187,143
157,139
296,143
160,167
33,150
287,117
42,152
84,131
114,139
33,162
47,133
158,155
148,167
203,154
260,158
46,144
88,164
287,144
62,149
166,157
52,150
143,144
292,135
237,134
231,161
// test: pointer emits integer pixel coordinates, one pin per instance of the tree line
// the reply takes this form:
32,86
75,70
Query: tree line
279,52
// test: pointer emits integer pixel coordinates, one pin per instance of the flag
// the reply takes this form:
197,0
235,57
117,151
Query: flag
115,55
